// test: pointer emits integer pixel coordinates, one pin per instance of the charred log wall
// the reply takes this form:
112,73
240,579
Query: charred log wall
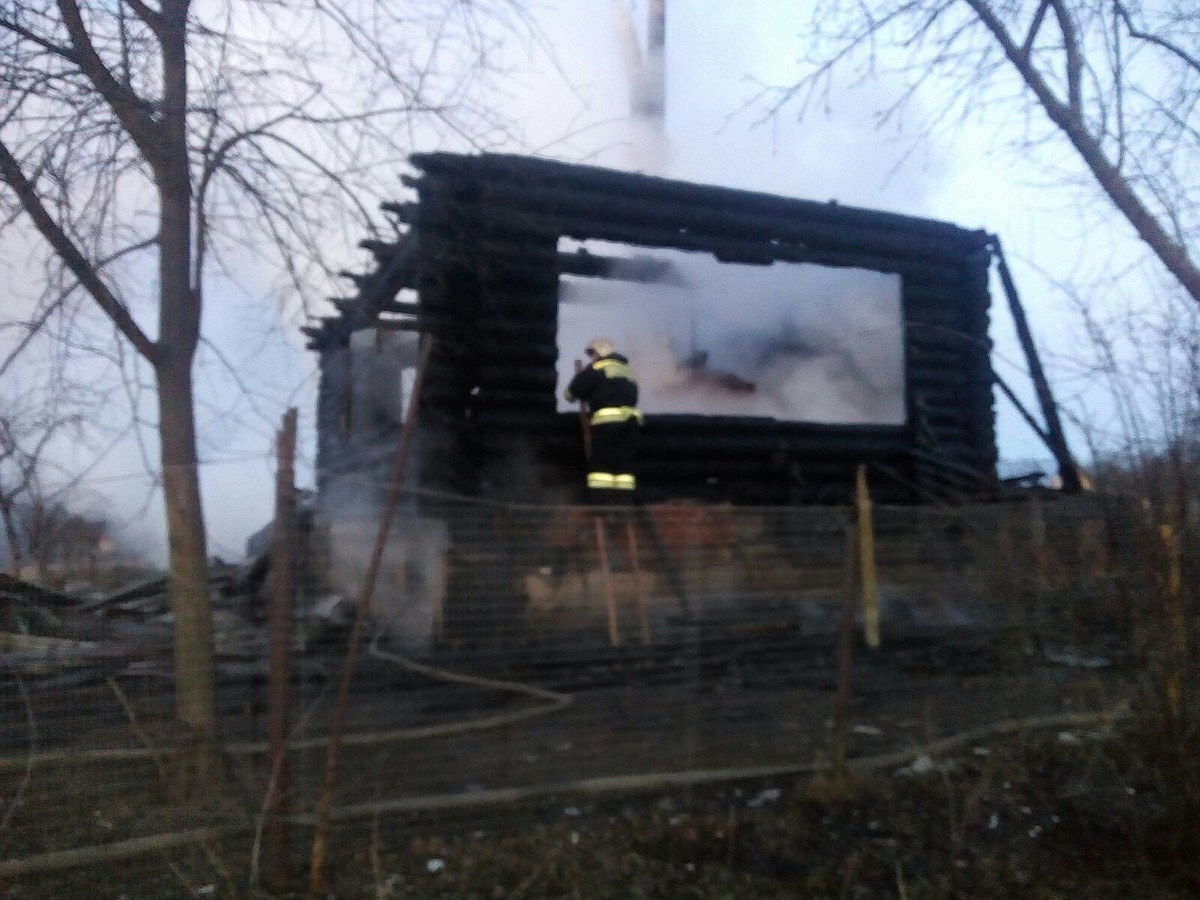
483,257
489,228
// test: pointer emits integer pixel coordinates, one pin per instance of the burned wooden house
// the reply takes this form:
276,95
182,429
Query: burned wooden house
496,256
780,345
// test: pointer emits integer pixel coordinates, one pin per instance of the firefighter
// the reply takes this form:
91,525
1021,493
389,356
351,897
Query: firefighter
607,386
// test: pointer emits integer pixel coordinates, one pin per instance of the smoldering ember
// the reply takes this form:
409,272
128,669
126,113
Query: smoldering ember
823,574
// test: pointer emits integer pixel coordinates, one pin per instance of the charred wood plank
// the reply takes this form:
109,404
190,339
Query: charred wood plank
640,269
542,330
533,378
525,170
398,325
523,369
719,220
381,250
728,248
525,402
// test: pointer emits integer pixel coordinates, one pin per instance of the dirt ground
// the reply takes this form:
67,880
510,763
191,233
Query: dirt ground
1072,811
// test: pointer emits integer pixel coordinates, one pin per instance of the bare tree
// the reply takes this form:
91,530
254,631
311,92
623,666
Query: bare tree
20,455
1118,79
30,422
145,140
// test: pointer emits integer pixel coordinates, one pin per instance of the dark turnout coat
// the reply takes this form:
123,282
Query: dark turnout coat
609,389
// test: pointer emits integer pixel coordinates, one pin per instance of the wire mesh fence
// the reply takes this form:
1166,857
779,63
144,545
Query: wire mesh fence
517,654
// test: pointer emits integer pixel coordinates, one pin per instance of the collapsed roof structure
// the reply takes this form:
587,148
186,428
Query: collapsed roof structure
481,262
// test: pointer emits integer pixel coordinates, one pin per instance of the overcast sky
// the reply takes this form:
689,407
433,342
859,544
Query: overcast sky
718,56
716,53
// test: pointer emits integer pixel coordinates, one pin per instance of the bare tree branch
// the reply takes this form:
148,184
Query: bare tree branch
1074,61
1034,27
12,25
1067,117
128,108
10,171
225,139
1155,39
153,19
1129,117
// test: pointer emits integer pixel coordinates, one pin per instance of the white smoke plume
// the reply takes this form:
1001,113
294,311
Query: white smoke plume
792,342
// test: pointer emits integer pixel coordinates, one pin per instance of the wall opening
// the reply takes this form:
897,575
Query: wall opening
792,342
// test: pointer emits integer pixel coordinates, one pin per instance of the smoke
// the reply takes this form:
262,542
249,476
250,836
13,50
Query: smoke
763,325
791,342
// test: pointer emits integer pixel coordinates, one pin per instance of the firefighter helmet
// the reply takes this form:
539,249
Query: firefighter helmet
600,346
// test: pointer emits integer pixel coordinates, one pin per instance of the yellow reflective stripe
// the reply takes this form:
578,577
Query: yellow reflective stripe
609,414
613,368
609,481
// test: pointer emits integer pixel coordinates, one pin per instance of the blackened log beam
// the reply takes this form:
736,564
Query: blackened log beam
405,212
497,272
532,378
381,250
729,249
531,329
358,279
954,463
648,210
535,269
398,325
396,272
639,269
497,426
502,364
519,170
666,445
517,302
332,330
318,338
527,401
693,469
1067,470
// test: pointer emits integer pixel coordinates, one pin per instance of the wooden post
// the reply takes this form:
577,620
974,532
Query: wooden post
585,424
610,602
866,557
639,595
841,702
279,626
1176,616
320,844
1039,570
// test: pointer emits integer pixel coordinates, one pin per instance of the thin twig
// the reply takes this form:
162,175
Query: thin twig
901,890
951,806
272,780
33,738
138,730
155,754
381,888
217,863
178,873
656,781
527,882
